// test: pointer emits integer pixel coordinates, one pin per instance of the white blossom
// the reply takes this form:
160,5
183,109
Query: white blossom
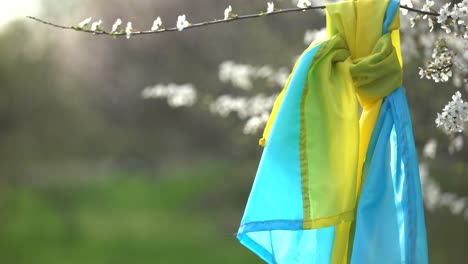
423,172
270,7
454,115
456,144
255,109
430,149
431,24
303,3
431,194
446,61
444,13
457,206
96,25
116,25
435,198
243,75
460,12
425,8
407,3
227,12
245,107
238,74
182,22
84,23
314,35
439,68
412,20
129,29
156,24
176,95
256,123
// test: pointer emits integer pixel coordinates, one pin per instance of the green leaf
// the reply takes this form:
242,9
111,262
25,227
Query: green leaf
233,15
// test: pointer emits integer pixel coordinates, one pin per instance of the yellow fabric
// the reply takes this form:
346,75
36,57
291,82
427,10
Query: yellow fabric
395,35
369,50
266,132
330,129
355,62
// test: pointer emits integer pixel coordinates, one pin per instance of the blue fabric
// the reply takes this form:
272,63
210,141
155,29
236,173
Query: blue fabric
278,180
392,8
277,192
390,224
287,246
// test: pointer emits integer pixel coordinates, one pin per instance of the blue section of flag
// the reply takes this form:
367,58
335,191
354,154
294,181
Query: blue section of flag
390,224
277,191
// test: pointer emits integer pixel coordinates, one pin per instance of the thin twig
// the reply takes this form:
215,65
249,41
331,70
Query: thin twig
420,11
216,21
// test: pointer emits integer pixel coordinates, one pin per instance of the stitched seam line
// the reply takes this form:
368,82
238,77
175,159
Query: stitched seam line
329,220
303,140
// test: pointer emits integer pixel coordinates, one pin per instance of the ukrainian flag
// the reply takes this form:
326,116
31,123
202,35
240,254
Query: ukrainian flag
334,186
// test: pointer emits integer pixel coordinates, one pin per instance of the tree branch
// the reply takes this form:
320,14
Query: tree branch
216,21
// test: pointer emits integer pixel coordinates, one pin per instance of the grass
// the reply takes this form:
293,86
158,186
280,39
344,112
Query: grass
125,219
185,216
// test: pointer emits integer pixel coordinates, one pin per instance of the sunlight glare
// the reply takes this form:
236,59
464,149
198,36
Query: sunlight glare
11,10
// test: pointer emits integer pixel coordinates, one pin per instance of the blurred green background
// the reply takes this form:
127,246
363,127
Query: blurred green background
91,173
